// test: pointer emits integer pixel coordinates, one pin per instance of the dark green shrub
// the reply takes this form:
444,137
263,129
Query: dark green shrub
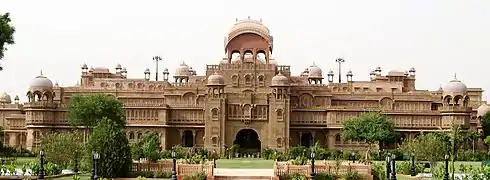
325,176
161,174
352,175
108,139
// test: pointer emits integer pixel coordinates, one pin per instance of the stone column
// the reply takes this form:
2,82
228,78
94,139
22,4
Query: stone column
163,138
330,140
194,138
13,139
30,139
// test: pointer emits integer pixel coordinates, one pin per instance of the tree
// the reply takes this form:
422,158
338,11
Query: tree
147,147
6,33
371,127
62,148
108,139
485,121
88,110
431,147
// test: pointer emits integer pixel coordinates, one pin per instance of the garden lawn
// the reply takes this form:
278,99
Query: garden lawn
245,163
20,161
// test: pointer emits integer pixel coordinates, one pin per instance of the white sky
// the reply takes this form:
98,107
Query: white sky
437,37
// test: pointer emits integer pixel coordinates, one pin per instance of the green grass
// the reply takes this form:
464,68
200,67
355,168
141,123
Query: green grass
245,163
20,161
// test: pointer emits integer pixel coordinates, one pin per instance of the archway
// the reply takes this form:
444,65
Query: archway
307,139
248,141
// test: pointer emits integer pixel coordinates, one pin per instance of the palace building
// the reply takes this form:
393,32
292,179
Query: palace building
248,99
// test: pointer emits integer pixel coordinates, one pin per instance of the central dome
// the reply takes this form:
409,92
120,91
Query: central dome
248,26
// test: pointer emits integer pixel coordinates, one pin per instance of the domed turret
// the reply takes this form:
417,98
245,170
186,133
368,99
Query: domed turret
455,86
5,98
182,70
482,110
280,80
216,80
314,72
41,83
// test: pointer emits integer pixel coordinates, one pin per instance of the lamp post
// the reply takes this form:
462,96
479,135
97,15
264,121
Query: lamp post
388,168
95,158
312,155
41,168
353,156
174,166
446,172
75,166
156,59
340,61
412,170
214,158
393,167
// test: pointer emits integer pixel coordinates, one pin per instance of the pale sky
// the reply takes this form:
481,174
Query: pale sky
437,37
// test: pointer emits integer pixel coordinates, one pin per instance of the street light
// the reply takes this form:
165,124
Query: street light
174,166
156,59
446,172
95,158
393,167
388,168
412,170
340,61
41,168
312,156
353,156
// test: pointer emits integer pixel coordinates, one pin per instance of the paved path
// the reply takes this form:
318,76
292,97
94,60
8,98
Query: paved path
243,172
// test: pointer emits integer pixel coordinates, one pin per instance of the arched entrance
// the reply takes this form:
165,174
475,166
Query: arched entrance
248,140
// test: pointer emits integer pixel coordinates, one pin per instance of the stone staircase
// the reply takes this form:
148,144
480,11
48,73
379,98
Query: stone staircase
243,174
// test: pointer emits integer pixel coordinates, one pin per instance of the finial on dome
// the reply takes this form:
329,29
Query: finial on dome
260,19
236,19
41,73
455,77
248,17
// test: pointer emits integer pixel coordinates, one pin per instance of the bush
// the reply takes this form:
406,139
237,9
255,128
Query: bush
325,176
62,148
352,175
405,167
146,147
295,176
109,140
161,174
198,176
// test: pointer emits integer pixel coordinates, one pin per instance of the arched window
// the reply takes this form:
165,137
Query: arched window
214,113
248,80
131,135
214,141
279,114
338,140
235,79
261,81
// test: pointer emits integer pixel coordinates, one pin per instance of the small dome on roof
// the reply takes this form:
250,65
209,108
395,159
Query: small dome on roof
182,70
165,71
40,83
215,80
482,110
118,66
455,86
280,80
5,98
314,72
84,66
349,73
147,71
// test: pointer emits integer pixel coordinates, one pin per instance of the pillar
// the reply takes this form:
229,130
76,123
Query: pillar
163,138
13,139
30,139
194,138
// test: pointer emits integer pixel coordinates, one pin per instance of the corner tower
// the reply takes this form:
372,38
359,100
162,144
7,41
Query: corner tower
279,112
215,113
